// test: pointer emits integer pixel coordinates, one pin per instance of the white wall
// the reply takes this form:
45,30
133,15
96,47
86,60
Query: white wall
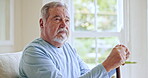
26,26
17,25
30,20
138,35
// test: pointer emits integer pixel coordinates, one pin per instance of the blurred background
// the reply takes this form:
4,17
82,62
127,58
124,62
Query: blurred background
96,27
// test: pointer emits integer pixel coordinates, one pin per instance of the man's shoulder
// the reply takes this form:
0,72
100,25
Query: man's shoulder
37,43
38,46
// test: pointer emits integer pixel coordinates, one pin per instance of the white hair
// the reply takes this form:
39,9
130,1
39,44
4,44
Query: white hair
46,7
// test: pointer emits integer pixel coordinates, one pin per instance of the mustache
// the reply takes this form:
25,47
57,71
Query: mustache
62,29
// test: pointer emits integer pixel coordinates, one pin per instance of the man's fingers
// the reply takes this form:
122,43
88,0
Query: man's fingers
125,47
124,53
127,55
122,47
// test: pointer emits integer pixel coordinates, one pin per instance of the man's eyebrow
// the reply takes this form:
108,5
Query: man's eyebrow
59,16
56,16
67,17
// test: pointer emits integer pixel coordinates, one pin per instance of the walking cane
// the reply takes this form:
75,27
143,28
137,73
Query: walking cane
118,72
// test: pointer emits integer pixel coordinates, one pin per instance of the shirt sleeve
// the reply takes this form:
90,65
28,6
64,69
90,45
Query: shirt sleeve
37,65
97,72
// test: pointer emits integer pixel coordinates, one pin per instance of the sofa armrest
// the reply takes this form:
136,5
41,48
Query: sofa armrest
9,65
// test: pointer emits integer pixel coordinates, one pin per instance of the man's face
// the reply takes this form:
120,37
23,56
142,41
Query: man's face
56,26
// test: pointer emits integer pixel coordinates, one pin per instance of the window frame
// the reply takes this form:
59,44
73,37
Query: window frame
11,26
123,34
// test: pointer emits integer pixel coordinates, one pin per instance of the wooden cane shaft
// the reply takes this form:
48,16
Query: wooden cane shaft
118,72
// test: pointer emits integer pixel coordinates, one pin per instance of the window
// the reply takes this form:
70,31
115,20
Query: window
6,22
97,28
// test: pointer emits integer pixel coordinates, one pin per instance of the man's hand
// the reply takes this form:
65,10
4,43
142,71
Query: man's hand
117,57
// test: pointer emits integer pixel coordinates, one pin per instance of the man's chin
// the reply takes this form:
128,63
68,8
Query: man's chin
61,41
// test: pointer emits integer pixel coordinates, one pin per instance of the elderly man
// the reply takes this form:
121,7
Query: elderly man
50,56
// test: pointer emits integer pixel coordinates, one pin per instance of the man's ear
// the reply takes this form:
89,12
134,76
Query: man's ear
41,23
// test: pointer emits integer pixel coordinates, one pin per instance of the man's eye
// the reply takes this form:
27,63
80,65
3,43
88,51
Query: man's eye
67,20
57,19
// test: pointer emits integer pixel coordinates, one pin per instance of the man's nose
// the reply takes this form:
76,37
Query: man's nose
63,24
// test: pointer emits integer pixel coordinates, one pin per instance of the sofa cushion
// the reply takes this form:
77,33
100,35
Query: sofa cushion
9,65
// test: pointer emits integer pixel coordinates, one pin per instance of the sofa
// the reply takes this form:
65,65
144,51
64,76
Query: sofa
9,65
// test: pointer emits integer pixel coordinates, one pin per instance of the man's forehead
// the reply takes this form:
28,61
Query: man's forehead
59,11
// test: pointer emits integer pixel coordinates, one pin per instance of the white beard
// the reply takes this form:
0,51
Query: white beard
61,39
